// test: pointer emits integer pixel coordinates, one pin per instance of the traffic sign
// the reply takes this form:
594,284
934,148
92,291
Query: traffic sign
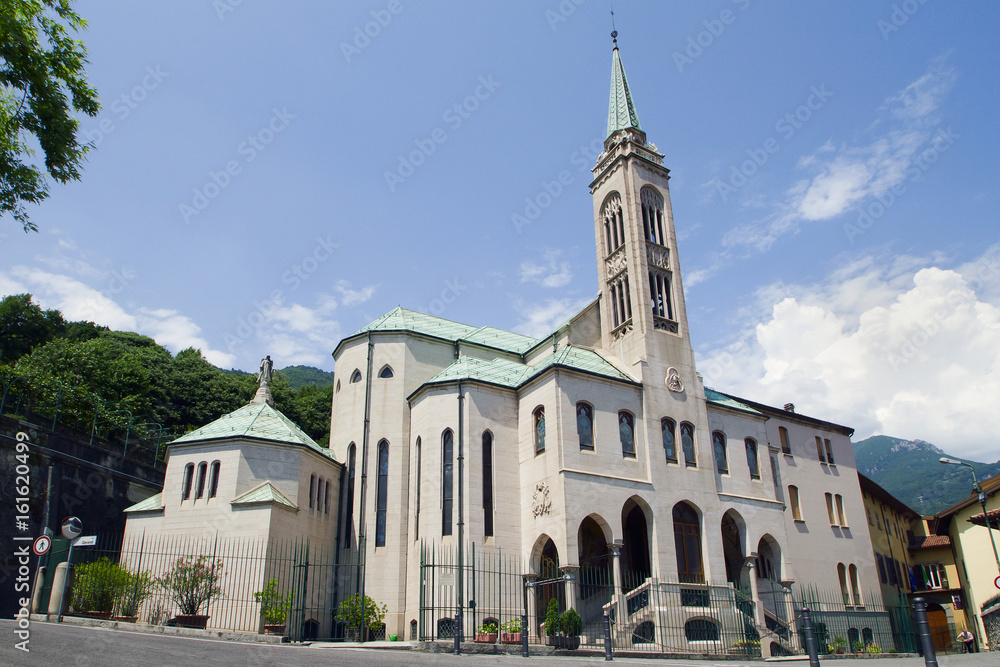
88,541
72,528
41,545
996,582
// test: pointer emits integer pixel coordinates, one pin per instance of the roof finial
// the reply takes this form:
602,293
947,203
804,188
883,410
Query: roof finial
614,33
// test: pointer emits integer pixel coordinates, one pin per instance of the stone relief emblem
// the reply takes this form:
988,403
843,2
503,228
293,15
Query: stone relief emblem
658,257
616,264
540,501
674,383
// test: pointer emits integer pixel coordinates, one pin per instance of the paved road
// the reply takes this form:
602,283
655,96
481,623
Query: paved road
52,644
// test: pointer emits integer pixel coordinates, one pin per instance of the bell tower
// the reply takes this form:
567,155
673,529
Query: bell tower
643,316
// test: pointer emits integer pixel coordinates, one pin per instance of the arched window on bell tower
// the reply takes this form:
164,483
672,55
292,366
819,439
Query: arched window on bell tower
652,216
614,224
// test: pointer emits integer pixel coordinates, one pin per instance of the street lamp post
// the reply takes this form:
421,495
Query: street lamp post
982,501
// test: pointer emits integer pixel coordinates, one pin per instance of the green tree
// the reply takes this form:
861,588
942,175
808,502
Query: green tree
24,325
42,82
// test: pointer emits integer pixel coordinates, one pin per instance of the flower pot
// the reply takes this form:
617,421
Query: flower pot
274,629
197,621
486,638
124,619
568,643
97,615
510,638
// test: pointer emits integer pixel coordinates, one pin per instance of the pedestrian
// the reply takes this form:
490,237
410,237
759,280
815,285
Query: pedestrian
966,638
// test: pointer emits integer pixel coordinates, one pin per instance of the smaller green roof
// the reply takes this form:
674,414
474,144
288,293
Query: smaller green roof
621,108
401,319
265,492
721,399
151,504
255,421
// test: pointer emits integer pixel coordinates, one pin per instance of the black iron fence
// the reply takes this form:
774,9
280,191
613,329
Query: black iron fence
858,623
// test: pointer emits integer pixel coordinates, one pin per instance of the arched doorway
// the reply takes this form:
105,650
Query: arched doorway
595,559
768,573
687,544
937,619
733,535
547,569
635,557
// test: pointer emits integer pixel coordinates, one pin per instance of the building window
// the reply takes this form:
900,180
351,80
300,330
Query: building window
416,503
868,511
312,491
829,450
687,444
783,437
751,447
202,474
842,577
356,376
621,301
349,505
855,589
701,630
381,493
719,448
841,516
213,486
386,372
652,216
326,500
667,427
447,466
793,502
829,509
626,433
931,576
659,290
539,419
819,450
188,480
487,484
585,425
687,544
614,224
880,561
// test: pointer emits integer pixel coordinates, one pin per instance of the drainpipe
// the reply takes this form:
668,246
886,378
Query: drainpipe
461,512
362,528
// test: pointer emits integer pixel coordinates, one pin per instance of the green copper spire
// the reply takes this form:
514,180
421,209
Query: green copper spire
621,110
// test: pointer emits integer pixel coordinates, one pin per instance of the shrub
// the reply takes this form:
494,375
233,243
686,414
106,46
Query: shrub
273,605
354,611
97,586
136,587
512,626
487,628
571,623
552,618
191,583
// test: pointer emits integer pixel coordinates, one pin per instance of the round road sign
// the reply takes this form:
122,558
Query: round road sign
996,582
72,528
41,545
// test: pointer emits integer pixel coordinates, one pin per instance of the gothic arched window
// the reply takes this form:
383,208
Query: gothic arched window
626,433
719,448
381,493
667,427
751,447
585,425
487,484
687,444
652,216
447,468
614,224
687,544
539,420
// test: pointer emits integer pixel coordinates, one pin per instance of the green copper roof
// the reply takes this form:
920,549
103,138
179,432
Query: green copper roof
512,374
621,110
721,399
264,493
401,319
151,504
256,421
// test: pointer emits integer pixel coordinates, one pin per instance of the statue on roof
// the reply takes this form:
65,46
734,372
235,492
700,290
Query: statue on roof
266,368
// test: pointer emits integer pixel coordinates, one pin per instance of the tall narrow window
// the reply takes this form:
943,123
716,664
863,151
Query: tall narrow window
841,516
382,493
659,290
667,428
793,502
614,223
786,448
829,509
487,484
687,444
188,480
585,425
855,588
842,576
312,491
751,447
447,465
819,450
349,505
719,447
626,433
652,216
326,500
829,450
319,494
202,474
687,544
416,501
539,419
213,486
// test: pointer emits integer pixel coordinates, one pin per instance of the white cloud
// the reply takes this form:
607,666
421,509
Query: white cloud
350,297
540,319
904,348
552,272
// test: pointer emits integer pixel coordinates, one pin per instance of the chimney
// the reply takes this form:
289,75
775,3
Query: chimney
789,407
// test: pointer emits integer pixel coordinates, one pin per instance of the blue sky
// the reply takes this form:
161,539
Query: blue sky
267,181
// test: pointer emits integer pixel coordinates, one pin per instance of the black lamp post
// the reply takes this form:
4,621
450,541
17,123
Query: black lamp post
982,501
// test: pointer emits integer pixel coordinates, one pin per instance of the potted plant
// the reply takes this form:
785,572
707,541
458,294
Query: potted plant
361,614
839,645
859,647
96,587
571,625
511,631
136,587
486,633
552,624
191,583
873,648
274,607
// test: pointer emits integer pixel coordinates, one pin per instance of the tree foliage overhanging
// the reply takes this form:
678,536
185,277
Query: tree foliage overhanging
86,369
42,84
